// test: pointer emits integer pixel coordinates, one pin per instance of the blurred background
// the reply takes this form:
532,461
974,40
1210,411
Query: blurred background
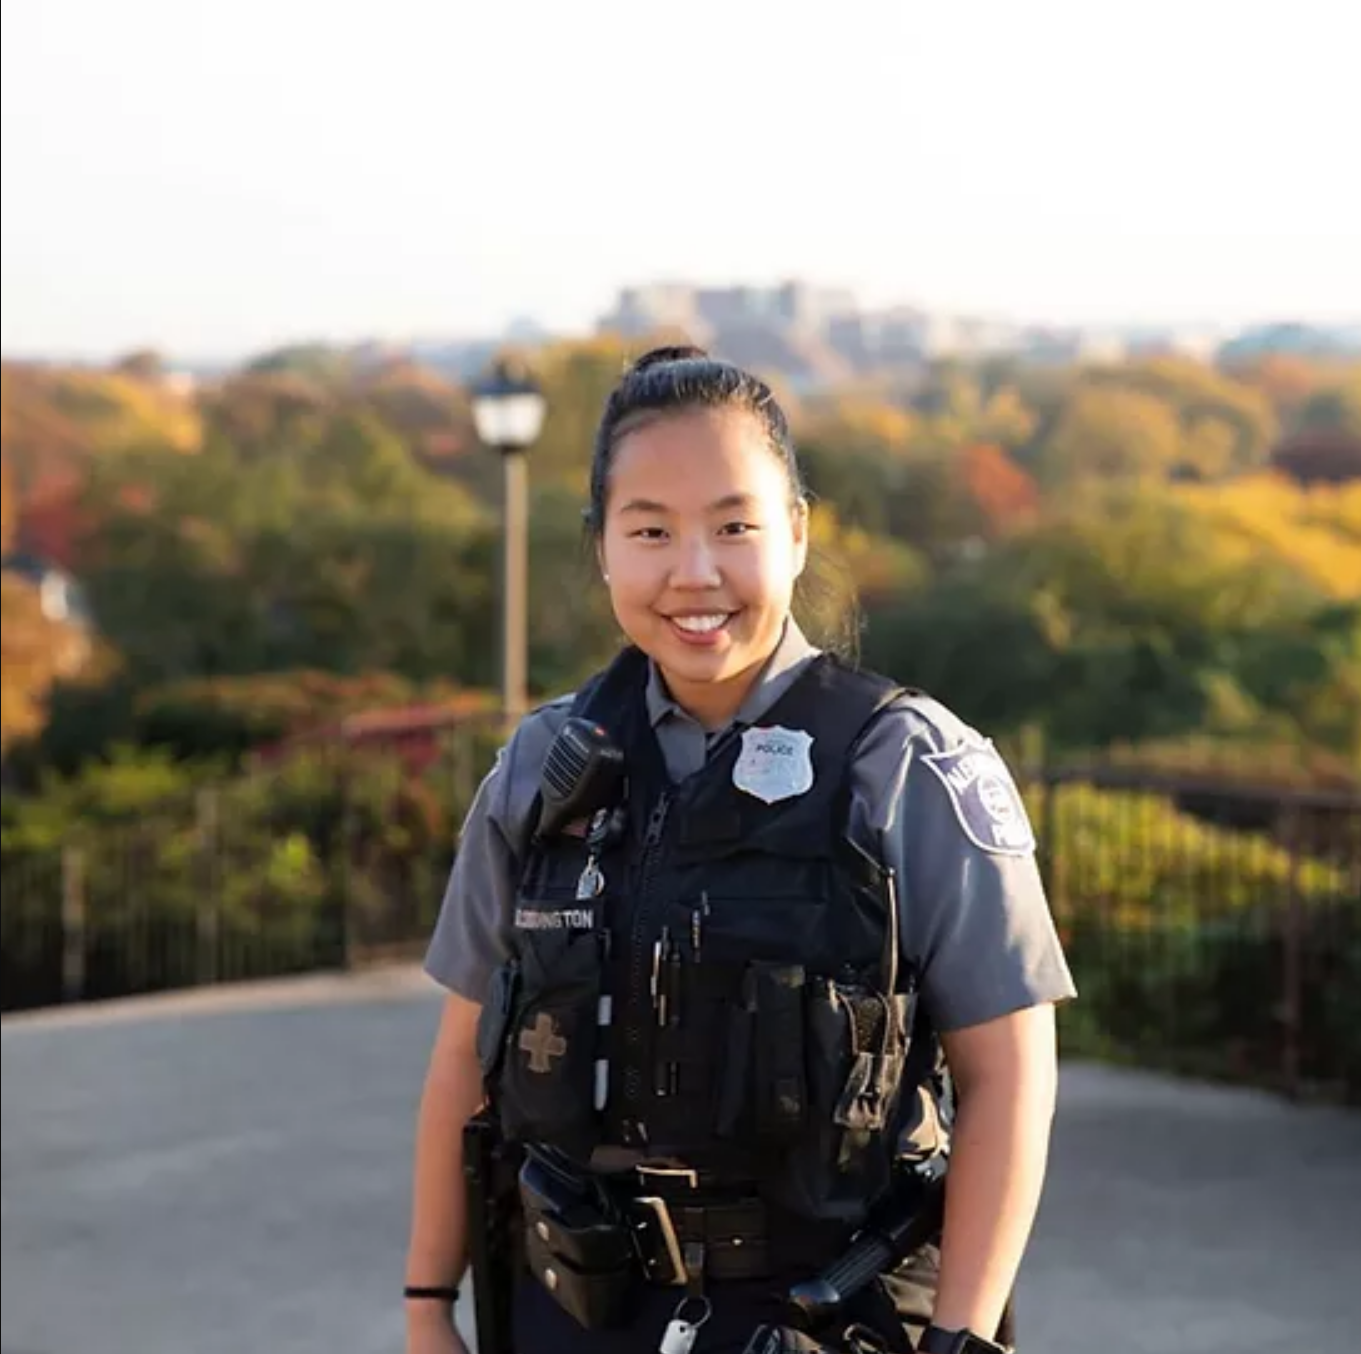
308,316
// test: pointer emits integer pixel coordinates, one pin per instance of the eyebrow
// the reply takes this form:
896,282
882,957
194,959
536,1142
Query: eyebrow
724,504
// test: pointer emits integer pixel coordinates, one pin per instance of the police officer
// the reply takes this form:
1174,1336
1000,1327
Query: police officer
800,948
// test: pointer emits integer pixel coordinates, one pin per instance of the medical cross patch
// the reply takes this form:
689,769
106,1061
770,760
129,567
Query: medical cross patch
543,1043
985,798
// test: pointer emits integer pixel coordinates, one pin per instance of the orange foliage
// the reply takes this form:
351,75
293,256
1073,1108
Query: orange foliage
9,505
34,653
55,421
1005,496
1287,381
40,440
52,523
430,414
1315,528
256,410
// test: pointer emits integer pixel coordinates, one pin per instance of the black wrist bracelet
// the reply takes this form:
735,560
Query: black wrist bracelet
435,1292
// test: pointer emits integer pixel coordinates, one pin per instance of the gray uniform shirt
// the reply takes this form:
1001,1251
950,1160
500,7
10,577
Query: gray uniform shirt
974,916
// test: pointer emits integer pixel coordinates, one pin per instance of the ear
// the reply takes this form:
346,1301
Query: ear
801,533
600,558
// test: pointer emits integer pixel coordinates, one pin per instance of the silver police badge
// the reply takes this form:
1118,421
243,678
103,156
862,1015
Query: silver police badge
774,764
985,798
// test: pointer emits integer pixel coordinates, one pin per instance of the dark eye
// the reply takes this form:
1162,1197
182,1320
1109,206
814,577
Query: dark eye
648,533
738,528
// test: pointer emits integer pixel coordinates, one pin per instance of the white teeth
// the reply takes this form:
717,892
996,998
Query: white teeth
700,625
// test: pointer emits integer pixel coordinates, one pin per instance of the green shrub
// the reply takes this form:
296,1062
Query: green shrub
1200,947
186,880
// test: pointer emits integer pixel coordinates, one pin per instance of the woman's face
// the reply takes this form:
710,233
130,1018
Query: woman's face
701,549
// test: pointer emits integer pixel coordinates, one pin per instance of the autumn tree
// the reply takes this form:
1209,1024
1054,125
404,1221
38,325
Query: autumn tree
577,377
1108,433
1314,529
430,414
1200,396
1003,496
9,505
145,364
1129,617
1335,409
957,406
53,523
266,415
35,652
321,363
1285,380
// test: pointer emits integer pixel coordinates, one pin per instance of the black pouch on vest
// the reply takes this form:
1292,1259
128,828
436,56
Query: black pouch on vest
763,1093
496,1015
547,1073
596,1301
568,1218
857,1042
580,1253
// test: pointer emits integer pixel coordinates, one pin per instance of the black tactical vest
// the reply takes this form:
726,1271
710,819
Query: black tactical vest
705,976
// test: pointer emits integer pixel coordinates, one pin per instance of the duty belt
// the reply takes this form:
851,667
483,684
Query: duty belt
688,1229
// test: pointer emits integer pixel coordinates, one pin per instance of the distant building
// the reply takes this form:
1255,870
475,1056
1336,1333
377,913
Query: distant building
813,309
782,330
639,311
1198,344
704,312
886,337
813,335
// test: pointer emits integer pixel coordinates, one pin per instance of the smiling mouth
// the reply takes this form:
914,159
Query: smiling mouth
702,625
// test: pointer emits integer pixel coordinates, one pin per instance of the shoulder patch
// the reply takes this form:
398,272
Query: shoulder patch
984,797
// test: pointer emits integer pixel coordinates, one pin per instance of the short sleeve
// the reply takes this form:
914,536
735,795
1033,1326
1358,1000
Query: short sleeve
474,931
945,813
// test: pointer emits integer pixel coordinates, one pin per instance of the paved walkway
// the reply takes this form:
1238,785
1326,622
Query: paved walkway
227,1173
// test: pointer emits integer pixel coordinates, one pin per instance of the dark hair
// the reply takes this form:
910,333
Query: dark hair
673,380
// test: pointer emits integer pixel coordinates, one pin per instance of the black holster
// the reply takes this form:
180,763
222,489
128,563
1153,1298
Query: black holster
495,1246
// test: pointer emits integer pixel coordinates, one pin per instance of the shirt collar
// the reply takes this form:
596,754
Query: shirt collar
792,654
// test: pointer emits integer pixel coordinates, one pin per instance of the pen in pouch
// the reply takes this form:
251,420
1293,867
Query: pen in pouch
659,956
604,1018
674,978
661,1072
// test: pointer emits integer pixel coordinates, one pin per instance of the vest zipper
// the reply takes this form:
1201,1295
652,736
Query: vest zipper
638,1009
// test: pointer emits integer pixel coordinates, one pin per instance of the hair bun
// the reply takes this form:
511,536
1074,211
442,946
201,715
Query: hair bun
655,357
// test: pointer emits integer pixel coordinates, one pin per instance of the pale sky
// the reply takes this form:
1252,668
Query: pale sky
215,179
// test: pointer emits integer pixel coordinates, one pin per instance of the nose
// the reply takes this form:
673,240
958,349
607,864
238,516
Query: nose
695,565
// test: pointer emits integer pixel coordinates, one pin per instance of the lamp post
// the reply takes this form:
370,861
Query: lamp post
508,411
